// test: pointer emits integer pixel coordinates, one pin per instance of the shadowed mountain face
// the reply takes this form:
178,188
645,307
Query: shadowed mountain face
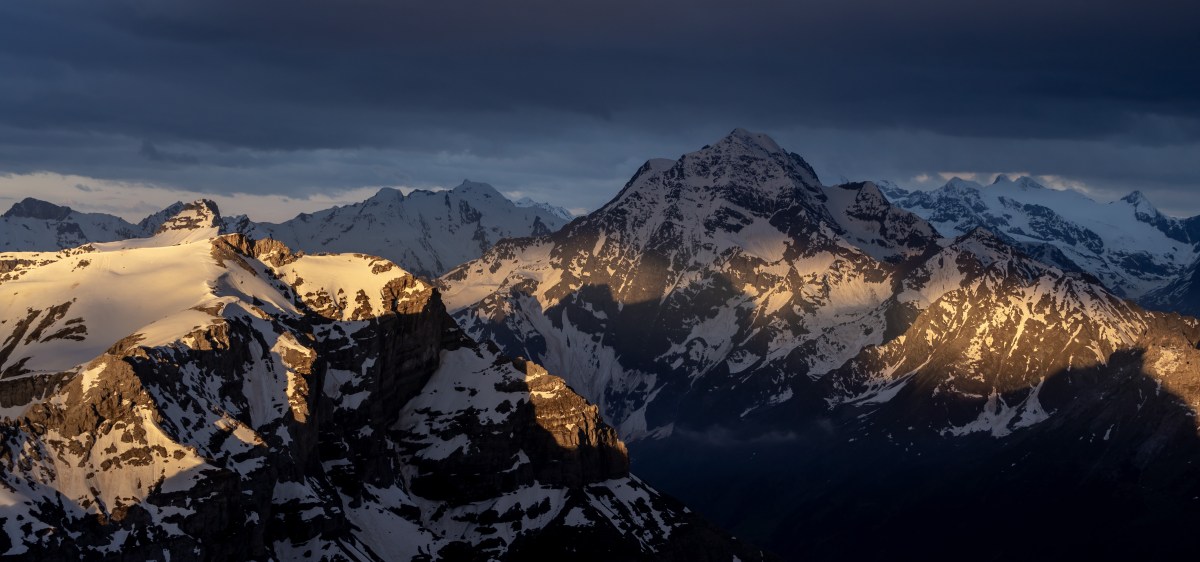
1110,475
846,373
220,397
1181,295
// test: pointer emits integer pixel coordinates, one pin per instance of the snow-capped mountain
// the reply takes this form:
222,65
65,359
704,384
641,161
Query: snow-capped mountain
33,225
194,396
837,361
552,209
426,232
1128,245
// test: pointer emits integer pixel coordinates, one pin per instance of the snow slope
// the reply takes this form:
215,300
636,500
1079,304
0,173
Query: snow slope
1127,244
426,232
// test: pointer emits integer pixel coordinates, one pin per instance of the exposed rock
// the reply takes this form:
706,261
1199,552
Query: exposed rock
273,416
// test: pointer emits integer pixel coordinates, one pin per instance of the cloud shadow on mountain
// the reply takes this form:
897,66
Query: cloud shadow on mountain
1110,474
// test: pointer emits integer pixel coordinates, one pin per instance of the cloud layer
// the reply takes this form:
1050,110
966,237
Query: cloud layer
562,100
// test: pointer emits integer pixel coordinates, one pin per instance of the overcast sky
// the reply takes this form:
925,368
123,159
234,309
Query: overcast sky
275,107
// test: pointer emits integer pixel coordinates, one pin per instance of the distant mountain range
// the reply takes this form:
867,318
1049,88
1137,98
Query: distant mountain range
425,232
1128,245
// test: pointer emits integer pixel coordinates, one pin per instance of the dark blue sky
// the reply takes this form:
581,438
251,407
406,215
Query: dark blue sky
563,100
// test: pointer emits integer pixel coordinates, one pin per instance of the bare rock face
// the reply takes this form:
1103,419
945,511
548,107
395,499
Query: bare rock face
545,434
275,405
198,214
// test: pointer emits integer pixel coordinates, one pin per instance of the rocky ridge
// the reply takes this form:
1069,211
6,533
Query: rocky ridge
263,403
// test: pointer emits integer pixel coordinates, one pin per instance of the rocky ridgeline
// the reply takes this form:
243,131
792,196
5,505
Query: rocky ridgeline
425,232
1127,245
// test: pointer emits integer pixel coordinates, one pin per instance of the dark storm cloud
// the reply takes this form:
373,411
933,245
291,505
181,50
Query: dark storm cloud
563,97
152,153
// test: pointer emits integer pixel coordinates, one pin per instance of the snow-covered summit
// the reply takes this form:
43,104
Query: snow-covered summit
426,232
200,214
1022,183
746,174
477,189
30,208
1143,209
693,260
755,142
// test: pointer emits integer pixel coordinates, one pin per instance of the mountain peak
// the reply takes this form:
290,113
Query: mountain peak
1137,199
31,208
477,188
199,214
959,183
1023,182
756,142
740,149
744,168
388,193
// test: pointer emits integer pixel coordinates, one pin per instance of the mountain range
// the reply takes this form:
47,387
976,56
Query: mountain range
425,232
1128,245
851,371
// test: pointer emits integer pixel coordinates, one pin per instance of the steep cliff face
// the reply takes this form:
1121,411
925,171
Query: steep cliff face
260,403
